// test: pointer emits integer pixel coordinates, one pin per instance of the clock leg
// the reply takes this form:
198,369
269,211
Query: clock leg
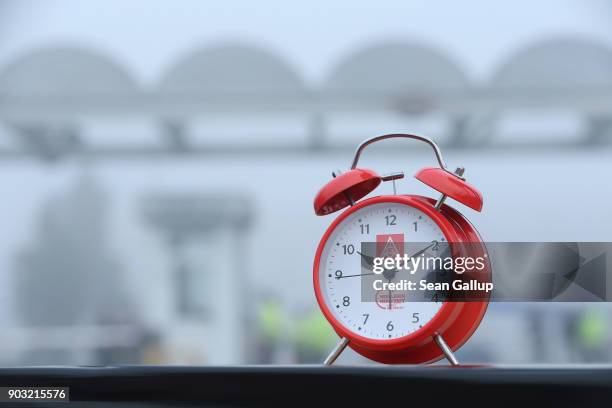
448,353
335,353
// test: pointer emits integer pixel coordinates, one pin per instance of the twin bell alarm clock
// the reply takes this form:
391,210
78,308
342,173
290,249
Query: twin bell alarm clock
380,322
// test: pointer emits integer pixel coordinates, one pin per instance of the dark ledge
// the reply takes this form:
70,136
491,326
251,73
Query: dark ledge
319,386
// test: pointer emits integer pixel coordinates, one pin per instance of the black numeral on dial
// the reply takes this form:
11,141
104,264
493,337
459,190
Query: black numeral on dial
391,219
348,249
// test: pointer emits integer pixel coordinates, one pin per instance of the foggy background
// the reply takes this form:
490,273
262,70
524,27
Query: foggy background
158,162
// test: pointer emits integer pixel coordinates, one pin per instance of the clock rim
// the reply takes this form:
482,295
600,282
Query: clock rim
446,312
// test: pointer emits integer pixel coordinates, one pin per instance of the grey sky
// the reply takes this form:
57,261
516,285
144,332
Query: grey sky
148,36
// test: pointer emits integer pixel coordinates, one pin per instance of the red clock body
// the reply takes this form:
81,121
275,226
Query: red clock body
456,321
382,322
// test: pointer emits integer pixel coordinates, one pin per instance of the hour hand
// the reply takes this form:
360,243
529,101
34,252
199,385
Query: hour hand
368,259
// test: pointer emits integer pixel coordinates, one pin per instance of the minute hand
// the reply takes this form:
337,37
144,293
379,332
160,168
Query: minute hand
370,260
434,243
423,250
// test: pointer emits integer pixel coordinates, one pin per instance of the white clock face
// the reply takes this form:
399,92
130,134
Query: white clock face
390,314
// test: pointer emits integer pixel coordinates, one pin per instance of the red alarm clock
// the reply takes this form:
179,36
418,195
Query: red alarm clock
389,330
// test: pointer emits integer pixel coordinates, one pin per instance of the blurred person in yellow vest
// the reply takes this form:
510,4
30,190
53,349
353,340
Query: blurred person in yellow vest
593,336
589,337
314,337
272,329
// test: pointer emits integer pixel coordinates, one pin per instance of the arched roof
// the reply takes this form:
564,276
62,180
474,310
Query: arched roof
390,67
64,71
557,63
231,69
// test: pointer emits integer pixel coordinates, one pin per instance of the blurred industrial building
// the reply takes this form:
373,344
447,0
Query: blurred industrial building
171,221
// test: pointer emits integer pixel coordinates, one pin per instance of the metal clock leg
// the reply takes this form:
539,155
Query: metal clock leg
335,353
448,353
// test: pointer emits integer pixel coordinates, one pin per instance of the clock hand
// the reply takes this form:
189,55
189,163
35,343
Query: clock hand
350,276
434,242
368,259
